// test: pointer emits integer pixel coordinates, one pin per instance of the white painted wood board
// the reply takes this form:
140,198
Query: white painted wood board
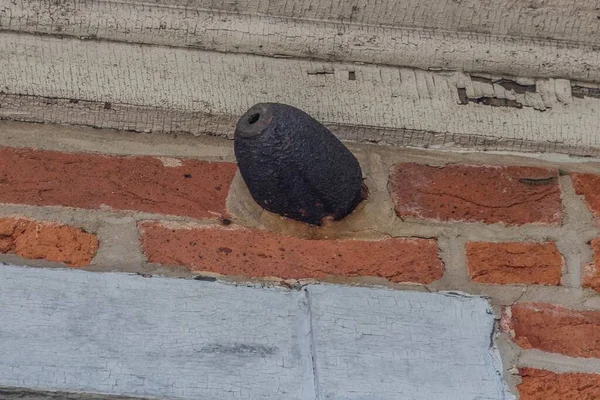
156,88
516,37
173,338
387,345
559,19
563,20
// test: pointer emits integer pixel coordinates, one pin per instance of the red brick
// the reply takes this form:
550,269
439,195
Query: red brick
470,193
253,253
554,329
591,272
515,263
194,189
52,242
539,384
588,185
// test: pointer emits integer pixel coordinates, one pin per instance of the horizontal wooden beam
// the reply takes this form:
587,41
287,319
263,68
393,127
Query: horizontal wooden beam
561,20
520,38
165,89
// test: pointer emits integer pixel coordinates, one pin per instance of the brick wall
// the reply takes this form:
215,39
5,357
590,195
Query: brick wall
522,231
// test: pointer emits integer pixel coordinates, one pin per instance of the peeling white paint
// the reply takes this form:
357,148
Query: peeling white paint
516,37
165,89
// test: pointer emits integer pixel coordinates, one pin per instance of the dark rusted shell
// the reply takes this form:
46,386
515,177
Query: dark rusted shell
294,166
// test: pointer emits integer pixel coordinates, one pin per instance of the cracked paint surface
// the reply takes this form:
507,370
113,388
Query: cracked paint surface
129,335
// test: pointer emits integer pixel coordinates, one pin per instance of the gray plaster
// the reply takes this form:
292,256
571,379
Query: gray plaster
118,334
558,363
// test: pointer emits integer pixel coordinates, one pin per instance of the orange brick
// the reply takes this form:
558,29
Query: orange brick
539,384
588,185
515,263
554,329
470,193
591,272
253,253
48,178
52,242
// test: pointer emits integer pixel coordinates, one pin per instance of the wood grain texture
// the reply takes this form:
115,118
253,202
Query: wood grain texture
561,20
154,88
387,345
119,334
515,37
558,19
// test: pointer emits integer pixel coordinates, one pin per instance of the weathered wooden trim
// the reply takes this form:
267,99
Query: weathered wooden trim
125,117
557,19
156,88
75,331
510,37
561,20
